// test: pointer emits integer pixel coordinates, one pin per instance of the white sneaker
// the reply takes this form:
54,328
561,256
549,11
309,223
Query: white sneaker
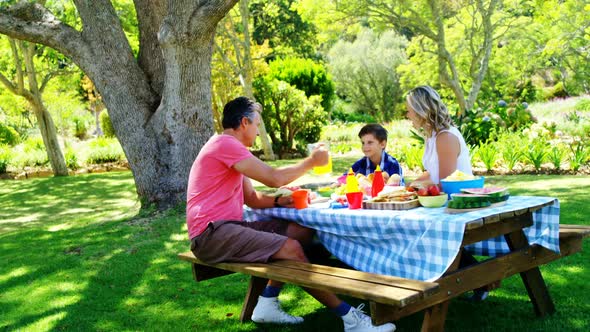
268,310
356,321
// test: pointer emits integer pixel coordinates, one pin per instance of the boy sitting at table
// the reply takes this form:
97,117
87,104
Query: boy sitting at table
373,143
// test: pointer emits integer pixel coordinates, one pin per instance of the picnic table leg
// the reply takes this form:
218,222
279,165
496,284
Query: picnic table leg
532,279
255,288
435,316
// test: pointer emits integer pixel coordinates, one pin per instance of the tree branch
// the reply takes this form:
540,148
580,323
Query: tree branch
34,23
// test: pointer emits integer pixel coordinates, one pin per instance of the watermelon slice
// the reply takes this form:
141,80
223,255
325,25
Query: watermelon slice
488,191
470,198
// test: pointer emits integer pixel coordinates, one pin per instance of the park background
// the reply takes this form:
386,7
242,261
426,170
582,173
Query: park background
97,251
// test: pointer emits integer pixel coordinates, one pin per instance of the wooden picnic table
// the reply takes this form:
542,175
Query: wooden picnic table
392,297
522,257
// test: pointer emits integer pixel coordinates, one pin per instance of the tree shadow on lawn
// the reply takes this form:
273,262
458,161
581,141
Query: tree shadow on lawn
84,272
35,201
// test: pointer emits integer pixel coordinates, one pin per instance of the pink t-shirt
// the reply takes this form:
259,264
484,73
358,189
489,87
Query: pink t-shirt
215,190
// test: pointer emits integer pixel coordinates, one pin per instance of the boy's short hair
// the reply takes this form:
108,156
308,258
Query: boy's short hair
376,130
235,110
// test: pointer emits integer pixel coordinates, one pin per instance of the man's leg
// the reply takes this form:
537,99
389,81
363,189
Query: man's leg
354,319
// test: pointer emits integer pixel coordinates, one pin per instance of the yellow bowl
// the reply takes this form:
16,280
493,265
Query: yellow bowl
433,201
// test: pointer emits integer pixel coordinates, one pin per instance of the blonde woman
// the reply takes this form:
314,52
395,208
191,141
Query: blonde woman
445,150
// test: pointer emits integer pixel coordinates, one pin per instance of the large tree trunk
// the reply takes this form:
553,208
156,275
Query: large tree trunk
161,124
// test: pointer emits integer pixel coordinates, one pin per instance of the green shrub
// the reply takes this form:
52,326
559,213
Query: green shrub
104,150
106,125
8,135
80,127
536,153
71,159
556,155
411,155
306,75
487,153
5,158
579,155
511,148
583,105
31,152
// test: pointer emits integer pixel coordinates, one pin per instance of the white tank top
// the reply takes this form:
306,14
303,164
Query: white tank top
430,158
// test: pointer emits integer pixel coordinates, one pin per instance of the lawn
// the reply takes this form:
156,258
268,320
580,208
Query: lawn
77,255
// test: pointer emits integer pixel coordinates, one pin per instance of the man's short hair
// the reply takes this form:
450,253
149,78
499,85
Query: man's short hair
235,110
376,130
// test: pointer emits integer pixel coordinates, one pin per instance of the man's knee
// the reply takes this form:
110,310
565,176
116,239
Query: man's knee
300,233
291,249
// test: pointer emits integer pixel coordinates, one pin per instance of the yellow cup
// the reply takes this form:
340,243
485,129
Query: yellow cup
321,170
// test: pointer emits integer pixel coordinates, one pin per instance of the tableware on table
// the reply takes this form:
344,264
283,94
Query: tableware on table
405,205
300,198
455,186
355,200
433,201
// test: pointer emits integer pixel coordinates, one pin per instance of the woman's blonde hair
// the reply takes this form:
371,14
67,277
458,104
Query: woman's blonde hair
427,104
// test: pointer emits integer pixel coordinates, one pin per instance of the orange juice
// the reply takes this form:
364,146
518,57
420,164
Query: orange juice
321,170
326,169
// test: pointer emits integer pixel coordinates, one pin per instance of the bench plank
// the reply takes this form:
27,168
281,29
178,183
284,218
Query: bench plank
369,286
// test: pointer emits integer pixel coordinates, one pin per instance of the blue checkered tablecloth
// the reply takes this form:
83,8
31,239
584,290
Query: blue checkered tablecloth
420,243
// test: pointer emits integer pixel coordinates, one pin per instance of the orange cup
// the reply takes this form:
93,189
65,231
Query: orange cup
300,198
355,200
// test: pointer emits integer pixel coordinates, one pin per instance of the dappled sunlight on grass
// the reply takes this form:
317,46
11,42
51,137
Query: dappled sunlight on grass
87,261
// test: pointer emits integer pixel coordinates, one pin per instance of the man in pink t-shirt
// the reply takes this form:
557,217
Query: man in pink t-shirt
219,185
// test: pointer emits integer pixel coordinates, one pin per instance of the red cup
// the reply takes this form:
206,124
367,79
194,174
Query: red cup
355,200
300,198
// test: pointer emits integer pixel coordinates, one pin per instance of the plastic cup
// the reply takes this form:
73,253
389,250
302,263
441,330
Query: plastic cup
355,200
321,170
300,198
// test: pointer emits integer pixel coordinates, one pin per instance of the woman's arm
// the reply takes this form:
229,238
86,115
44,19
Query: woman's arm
447,149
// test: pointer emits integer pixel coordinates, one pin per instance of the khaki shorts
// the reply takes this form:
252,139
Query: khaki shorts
240,241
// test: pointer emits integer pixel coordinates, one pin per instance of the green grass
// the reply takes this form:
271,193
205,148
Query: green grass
77,255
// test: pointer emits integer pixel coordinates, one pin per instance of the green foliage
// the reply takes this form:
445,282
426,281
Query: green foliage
5,157
104,150
556,155
365,72
8,135
31,152
80,127
106,125
536,153
487,153
411,155
71,159
510,148
289,114
483,124
306,75
583,105
579,155
287,33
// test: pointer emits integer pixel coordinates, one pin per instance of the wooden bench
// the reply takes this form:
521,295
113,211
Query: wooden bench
375,288
392,298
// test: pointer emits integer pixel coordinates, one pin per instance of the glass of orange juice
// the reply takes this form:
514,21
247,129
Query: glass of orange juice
321,170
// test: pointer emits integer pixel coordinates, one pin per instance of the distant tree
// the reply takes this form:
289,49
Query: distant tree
365,71
306,75
95,104
287,33
233,62
288,112
23,79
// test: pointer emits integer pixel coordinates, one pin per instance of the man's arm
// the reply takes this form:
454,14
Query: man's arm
256,169
258,200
